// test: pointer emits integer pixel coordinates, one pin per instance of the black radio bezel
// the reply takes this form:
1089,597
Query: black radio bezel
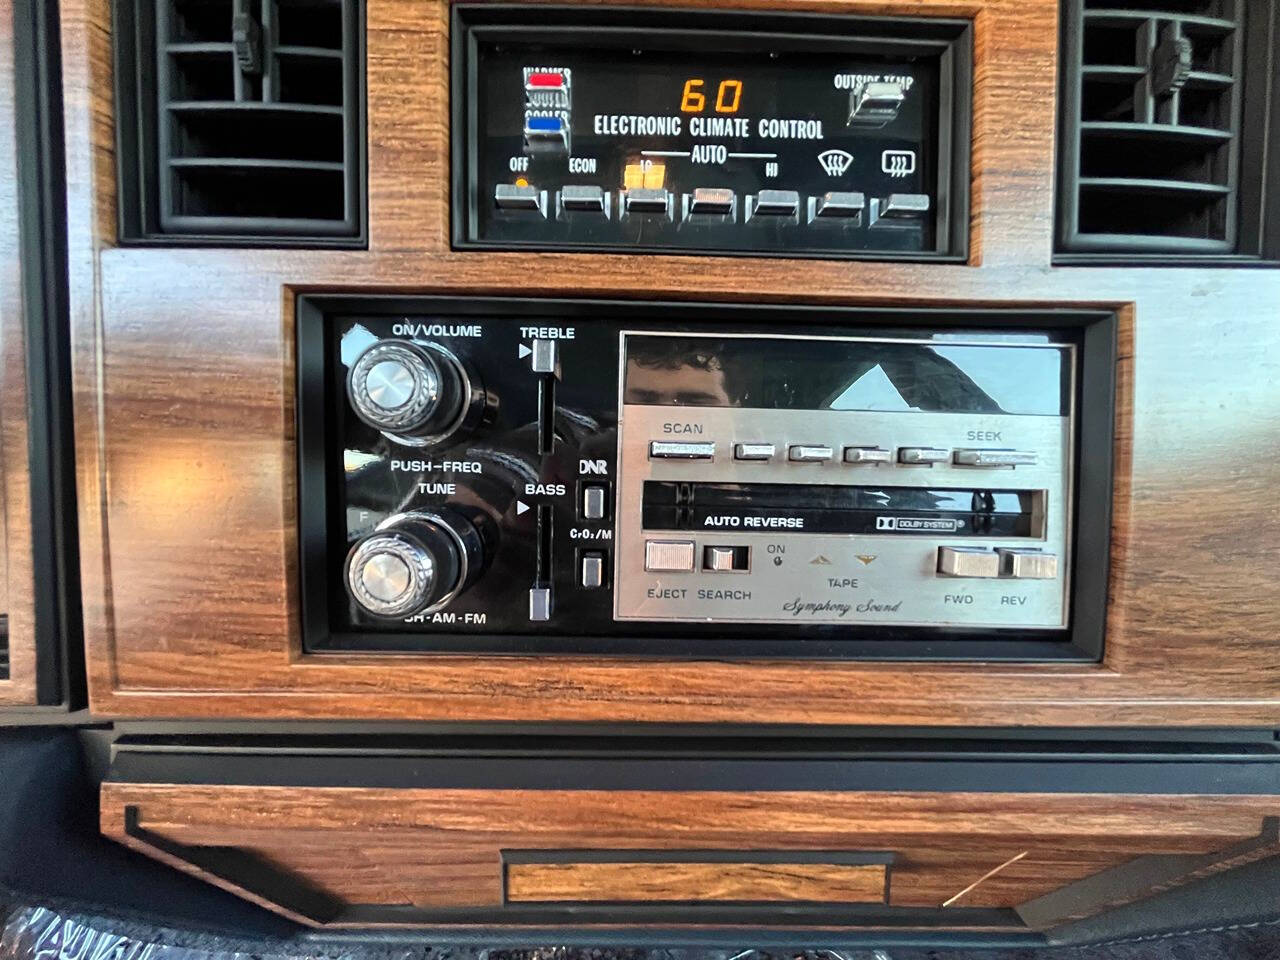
950,38
319,479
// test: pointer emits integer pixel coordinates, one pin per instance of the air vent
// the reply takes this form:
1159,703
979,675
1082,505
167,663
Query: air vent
248,123
1155,148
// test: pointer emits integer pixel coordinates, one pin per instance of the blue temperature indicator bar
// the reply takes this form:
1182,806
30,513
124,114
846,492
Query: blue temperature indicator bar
544,124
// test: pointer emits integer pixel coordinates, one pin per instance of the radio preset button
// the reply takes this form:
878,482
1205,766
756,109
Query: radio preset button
753,451
681,450
726,559
1027,564
592,574
582,198
968,562
995,458
668,556
809,453
923,455
867,455
594,501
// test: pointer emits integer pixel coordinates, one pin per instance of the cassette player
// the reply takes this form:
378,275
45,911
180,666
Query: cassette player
543,476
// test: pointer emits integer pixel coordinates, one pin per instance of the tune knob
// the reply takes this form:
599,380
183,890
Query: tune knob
417,394
414,563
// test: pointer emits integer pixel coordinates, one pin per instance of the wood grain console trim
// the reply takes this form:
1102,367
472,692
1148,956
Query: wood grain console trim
183,380
16,572
694,882
368,856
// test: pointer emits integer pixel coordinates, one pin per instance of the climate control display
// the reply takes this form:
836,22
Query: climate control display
644,140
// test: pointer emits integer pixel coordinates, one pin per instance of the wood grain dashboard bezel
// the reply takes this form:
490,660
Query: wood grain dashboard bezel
183,373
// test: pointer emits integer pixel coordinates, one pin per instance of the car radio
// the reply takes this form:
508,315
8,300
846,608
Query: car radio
581,128
544,476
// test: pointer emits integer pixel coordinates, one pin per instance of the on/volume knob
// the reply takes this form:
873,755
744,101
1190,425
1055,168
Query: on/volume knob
418,395
414,563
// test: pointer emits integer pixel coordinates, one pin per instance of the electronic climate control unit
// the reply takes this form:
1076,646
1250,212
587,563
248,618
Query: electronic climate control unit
579,128
556,476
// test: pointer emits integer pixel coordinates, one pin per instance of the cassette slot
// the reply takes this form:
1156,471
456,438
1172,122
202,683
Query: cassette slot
837,509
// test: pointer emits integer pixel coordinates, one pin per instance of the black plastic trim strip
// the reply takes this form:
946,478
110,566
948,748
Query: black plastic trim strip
624,771
42,224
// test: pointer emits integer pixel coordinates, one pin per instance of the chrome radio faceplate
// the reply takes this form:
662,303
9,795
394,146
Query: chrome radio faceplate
850,506
538,476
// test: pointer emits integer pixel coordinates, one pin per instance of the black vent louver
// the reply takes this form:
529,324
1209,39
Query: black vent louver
250,126
1155,147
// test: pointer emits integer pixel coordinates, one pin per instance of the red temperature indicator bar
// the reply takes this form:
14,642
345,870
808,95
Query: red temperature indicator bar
545,80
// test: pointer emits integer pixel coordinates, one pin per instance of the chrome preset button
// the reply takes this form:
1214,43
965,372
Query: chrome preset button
923,455
753,451
871,455
681,450
809,453
994,458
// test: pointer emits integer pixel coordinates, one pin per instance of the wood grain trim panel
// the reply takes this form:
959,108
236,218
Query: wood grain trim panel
183,373
16,573
691,882
369,850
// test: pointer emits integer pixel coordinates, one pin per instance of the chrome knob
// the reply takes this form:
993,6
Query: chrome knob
417,394
414,563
